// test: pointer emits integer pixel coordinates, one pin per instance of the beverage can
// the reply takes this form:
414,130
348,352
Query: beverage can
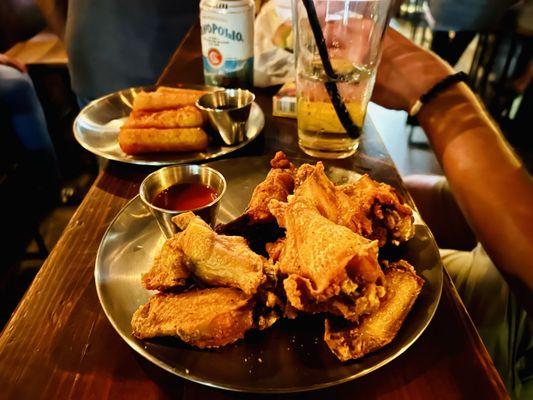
227,29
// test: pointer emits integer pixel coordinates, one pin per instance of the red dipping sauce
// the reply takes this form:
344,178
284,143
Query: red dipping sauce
185,196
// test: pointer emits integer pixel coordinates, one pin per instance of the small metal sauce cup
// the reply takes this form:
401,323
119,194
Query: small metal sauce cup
166,177
228,111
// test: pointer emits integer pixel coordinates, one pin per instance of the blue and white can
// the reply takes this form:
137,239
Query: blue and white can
227,28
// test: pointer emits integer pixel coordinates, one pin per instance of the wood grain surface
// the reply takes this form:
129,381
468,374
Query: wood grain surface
59,344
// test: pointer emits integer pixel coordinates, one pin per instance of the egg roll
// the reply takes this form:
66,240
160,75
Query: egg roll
205,318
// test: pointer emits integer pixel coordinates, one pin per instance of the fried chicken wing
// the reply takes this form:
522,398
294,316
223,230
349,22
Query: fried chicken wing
327,266
204,318
380,327
168,270
382,214
257,224
367,207
315,188
218,260
278,184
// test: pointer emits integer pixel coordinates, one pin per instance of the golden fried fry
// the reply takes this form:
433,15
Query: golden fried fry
140,141
184,117
166,98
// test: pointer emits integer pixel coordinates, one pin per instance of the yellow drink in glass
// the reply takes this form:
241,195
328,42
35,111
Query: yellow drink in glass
337,51
320,133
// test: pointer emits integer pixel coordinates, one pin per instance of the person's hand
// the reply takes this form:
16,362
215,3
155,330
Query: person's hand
406,72
11,62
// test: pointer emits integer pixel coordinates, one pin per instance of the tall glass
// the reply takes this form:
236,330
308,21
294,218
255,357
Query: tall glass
332,100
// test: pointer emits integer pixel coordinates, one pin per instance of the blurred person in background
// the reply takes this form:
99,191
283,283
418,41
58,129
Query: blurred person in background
455,23
115,44
22,115
521,82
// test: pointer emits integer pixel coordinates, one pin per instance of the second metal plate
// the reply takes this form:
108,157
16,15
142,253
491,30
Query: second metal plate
97,126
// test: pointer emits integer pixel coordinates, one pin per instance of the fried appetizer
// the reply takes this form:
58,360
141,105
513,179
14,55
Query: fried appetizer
152,140
278,184
164,121
315,188
184,117
168,270
380,327
219,260
203,318
327,266
381,213
322,241
371,209
257,224
166,98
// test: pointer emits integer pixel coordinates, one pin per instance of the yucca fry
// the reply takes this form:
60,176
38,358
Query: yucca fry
168,89
184,117
165,99
139,141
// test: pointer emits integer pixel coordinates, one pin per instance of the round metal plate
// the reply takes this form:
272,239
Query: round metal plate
289,357
97,126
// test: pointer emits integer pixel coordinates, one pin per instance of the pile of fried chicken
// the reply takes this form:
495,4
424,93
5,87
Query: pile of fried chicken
303,245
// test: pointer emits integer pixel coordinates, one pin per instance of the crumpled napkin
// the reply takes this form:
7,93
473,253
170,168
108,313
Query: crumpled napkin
272,64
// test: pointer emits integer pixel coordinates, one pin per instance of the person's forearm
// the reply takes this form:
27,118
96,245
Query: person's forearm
488,180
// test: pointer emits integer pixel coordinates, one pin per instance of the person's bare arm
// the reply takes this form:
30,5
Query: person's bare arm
488,180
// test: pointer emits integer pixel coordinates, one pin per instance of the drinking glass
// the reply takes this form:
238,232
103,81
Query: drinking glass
332,99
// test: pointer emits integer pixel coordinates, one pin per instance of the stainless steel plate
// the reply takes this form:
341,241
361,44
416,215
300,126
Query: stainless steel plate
97,126
289,357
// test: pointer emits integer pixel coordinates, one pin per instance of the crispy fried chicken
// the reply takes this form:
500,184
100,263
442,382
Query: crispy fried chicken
204,318
381,213
218,260
322,241
378,329
278,184
367,207
168,270
327,266
257,224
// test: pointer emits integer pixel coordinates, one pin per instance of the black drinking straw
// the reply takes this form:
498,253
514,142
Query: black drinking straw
331,86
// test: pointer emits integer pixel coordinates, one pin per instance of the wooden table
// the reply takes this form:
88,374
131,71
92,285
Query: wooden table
59,344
